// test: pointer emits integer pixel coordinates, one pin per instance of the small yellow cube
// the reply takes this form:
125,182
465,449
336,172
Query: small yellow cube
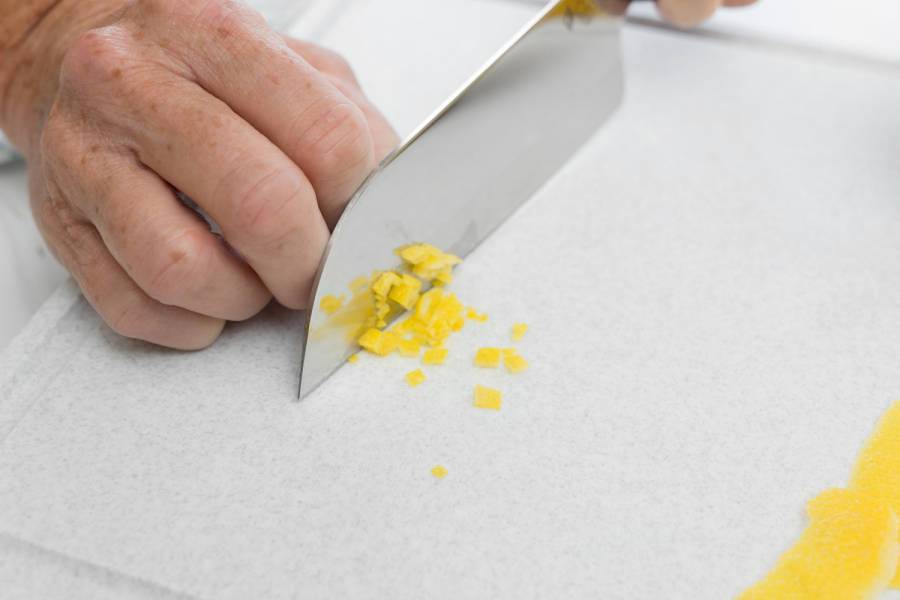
439,471
488,358
406,291
379,342
486,397
444,277
474,315
353,358
514,363
518,331
409,348
414,378
384,282
331,304
434,356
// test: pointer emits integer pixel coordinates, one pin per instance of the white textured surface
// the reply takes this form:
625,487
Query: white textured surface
713,292
862,27
28,272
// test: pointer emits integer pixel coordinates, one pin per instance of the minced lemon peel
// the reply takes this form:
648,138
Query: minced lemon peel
486,397
513,361
487,358
439,471
353,358
474,315
434,356
428,262
414,378
518,331
409,348
331,304
379,342
849,550
433,316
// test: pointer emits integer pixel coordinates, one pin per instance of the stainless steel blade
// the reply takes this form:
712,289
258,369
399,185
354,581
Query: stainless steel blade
472,164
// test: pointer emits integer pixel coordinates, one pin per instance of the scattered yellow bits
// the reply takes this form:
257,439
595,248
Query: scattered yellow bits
513,361
877,470
518,331
379,342
414,378
474,315
434,356
439,471
486,397
428,262
409,348
849,550
353,358
488,358
436,316
331,304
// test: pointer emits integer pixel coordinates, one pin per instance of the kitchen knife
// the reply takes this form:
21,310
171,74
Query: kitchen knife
482,154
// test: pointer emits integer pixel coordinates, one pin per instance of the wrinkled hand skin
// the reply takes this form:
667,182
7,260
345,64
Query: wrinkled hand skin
269,135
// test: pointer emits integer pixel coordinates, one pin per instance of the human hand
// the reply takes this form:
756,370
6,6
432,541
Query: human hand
268,135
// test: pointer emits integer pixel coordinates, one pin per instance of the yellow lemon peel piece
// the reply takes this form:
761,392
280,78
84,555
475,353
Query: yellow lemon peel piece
849,550
518,331
383,282
414,378
487,358
877,469
434,356
514,362
474,315
486,397
353,358
379,342
428,262
409,348
439,471
330,304
406,291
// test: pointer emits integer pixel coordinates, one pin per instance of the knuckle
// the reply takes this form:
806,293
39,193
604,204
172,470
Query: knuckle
335,64
341,141
175,267
95,57
228,18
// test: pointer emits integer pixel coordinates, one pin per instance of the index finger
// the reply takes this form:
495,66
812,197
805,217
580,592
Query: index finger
236,57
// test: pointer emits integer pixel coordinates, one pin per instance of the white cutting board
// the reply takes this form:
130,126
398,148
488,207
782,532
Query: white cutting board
713,289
